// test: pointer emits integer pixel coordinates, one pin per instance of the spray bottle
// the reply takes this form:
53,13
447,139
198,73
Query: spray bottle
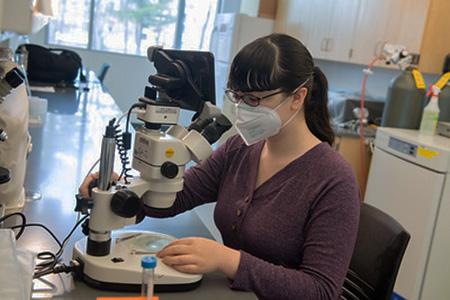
430,114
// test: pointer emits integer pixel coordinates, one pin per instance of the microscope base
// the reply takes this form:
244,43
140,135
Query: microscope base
121,270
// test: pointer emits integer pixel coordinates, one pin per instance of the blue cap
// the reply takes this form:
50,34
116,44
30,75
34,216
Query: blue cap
148,262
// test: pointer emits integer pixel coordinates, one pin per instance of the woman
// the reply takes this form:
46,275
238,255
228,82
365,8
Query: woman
287,203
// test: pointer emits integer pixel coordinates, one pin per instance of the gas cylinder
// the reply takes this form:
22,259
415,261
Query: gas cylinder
404,102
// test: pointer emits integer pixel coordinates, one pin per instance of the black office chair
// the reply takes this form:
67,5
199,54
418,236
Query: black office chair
378,253
102,73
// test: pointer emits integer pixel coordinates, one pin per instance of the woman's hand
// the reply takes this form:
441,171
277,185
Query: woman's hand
199,255
83,190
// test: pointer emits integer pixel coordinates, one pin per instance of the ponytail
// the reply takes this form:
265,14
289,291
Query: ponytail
316,108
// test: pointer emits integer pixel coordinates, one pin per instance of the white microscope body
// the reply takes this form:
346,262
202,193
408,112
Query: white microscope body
14,137
111,260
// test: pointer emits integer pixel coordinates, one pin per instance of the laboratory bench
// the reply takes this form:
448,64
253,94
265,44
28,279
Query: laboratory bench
64,148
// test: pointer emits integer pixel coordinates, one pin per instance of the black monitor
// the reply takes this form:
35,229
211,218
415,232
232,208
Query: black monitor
185,77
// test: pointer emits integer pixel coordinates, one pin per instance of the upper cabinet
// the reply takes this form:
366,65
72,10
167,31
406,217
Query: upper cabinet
324,26
388,21
342,29
356,30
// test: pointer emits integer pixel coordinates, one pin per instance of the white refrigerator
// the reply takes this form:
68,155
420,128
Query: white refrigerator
409,179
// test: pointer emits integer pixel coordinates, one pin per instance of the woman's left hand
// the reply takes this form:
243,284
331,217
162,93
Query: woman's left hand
199,255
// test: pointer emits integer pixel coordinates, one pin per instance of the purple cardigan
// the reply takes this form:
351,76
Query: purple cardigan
296,232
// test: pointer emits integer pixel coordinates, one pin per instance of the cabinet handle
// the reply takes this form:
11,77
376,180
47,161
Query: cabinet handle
330,45
350,53
323,45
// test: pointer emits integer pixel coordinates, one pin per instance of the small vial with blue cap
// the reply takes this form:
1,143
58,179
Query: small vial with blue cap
148,264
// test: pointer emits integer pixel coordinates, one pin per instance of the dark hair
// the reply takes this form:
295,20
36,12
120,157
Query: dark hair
281,61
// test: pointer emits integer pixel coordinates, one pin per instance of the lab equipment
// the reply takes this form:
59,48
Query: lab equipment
443,129
14,123
3,135
9,81
409,179
148,264
431,113
406,93
4,173
112,260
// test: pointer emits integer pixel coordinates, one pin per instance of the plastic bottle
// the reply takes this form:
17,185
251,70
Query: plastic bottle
430,114
148,264
444,103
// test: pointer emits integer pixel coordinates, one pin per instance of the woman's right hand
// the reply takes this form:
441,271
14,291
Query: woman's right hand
84,189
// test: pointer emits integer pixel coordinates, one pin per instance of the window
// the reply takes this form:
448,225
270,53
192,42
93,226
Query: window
71,27
131,26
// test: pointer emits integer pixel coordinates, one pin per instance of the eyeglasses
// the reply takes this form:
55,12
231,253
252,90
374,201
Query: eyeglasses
248,99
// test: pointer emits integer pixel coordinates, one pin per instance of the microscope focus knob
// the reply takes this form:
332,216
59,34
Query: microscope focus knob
4,175
126,204
169,169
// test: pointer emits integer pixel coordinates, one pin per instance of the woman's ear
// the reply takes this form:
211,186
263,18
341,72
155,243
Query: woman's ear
299,98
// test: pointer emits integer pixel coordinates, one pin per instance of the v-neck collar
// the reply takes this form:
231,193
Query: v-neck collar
278,175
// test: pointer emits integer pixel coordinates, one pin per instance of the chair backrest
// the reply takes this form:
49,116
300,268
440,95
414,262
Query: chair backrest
102,73
378,253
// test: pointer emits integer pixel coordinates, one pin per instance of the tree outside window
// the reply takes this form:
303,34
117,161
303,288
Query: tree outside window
131,26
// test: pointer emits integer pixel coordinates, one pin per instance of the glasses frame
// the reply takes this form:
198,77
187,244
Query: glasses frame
235,98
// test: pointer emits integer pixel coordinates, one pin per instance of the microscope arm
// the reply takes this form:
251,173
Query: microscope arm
9,81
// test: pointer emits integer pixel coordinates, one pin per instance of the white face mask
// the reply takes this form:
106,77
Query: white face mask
255,124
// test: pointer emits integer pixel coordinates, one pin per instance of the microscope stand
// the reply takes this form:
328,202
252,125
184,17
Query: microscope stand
121,270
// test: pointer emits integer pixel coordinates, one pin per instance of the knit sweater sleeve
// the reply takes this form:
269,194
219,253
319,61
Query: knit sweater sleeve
330,235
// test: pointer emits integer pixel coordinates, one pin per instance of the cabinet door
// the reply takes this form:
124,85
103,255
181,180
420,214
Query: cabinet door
371,25
407,24
342,25
309,21
399,22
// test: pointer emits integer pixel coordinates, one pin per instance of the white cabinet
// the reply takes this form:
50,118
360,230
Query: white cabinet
324,26
371,26
353,30
342,22
388,21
